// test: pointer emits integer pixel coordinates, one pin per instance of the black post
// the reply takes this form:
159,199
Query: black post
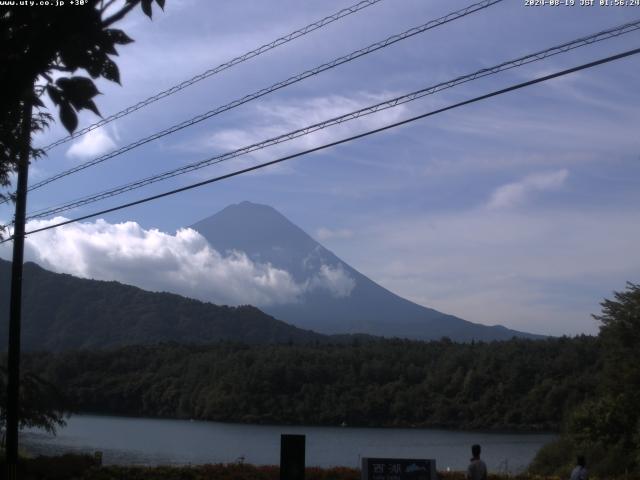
13,382
292,457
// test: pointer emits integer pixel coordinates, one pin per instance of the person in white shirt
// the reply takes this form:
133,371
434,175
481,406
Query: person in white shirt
580,472
477,469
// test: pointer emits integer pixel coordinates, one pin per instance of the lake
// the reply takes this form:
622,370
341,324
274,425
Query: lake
138,441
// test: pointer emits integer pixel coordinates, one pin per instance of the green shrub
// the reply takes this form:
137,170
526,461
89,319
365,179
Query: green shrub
554,458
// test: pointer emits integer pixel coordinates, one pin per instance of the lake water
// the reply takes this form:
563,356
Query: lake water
179,442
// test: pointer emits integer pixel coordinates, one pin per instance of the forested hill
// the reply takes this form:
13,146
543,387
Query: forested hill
519,384
62,312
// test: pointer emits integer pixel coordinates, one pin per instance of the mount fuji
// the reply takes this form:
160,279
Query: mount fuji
337,299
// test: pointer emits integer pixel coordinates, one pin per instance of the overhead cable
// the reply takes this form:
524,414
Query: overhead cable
390,103
342,141
223,66
276,86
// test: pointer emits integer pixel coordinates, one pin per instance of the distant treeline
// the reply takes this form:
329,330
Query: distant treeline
518,384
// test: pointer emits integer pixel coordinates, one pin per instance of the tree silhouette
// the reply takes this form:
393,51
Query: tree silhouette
42,404
606,426
41,49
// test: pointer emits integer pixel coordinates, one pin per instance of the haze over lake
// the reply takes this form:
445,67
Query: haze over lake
160,442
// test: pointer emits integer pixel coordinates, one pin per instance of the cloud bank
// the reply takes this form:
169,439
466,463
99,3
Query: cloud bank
184,263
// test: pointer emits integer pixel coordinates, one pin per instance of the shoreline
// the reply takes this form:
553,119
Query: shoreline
497,431
152,442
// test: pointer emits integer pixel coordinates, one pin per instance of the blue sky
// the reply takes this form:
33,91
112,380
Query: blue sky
521,210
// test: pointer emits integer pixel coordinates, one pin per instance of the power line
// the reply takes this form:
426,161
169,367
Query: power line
538,56
284,83
223,66
344,140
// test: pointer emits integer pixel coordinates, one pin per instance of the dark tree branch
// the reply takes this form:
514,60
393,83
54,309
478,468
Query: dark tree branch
119,15
106,6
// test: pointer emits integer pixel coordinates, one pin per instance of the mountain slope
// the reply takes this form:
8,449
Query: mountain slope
62,312
355,305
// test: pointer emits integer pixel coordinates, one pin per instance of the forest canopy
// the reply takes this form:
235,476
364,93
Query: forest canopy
519,384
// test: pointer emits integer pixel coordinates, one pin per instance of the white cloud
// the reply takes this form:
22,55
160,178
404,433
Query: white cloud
324,233
183,263
92,144
273,119
335,279
516,193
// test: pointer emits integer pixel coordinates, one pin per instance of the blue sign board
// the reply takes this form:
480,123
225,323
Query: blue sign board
398,469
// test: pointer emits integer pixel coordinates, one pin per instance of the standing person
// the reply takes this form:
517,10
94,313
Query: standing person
580,472
477,469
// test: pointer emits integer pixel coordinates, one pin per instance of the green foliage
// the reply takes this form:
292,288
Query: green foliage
38,44
519,384
555,458
606,426
620,334
602,420
41,403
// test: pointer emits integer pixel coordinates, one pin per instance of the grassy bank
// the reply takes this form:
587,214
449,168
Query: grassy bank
83,467
78,467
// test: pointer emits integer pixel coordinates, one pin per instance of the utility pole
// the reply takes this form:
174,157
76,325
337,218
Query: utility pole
15,306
